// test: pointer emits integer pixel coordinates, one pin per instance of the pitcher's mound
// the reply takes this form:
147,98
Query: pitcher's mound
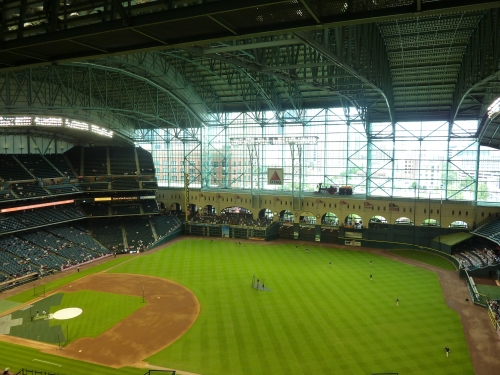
68,313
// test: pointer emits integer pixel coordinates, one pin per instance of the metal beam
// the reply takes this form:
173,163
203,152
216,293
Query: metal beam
155,14
343,64
249,46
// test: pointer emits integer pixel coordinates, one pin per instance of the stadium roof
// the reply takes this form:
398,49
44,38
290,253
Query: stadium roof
155,64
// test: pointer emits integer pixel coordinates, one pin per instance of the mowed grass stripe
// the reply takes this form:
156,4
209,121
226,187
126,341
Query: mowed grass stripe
356,327
17,357
314,311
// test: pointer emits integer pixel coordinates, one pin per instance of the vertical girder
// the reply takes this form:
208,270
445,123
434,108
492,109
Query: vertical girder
481,60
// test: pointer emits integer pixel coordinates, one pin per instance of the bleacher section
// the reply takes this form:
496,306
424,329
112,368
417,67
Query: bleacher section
6,195
34,248
490,231
74,157
29,190
477,253
44,250
138,232
79,237
125,184
109,233
22,220
9,224
12,266
165,225
95,161
146,165
35,242
150,206
126,209
96,209
97,186
150,185
62,189
122,161
58,161
11,170
38,166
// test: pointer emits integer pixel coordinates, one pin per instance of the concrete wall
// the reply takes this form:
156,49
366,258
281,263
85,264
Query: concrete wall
342,206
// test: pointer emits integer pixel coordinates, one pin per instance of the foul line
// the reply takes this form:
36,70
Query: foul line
39,360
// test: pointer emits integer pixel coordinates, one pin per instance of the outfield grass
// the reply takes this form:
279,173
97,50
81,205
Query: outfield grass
425,257
316,320
101,311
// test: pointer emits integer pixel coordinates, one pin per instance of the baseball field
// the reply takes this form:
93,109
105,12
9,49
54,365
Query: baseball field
191,307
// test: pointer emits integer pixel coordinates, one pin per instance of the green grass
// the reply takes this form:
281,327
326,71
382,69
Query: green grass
424,257
317,319
101,311
17,357
28,295
453,238
492,291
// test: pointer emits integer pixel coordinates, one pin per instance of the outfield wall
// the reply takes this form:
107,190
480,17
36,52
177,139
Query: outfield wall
446,212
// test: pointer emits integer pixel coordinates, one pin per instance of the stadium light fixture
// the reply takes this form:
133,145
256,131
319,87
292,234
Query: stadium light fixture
15,121
247,141
494,107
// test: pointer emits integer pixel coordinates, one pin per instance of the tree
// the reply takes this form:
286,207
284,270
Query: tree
482,191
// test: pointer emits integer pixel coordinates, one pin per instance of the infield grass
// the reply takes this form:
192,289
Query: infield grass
101,311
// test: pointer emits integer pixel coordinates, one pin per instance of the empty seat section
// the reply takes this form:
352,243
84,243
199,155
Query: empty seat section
79,238
138,232
9,224
126,209
150,185
13,266
62,189
59,161
34,247
38,166
29,190
6,195
95,161
122,161
71,212
125,184
96,209
94,186
11,170
74,156
109,233
146,165
165,225
150,206
30,219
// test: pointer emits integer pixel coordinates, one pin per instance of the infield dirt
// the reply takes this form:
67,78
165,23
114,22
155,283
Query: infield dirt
168,312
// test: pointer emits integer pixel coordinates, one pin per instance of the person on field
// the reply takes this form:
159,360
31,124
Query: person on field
447,350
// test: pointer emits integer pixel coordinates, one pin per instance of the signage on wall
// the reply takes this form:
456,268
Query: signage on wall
275,176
